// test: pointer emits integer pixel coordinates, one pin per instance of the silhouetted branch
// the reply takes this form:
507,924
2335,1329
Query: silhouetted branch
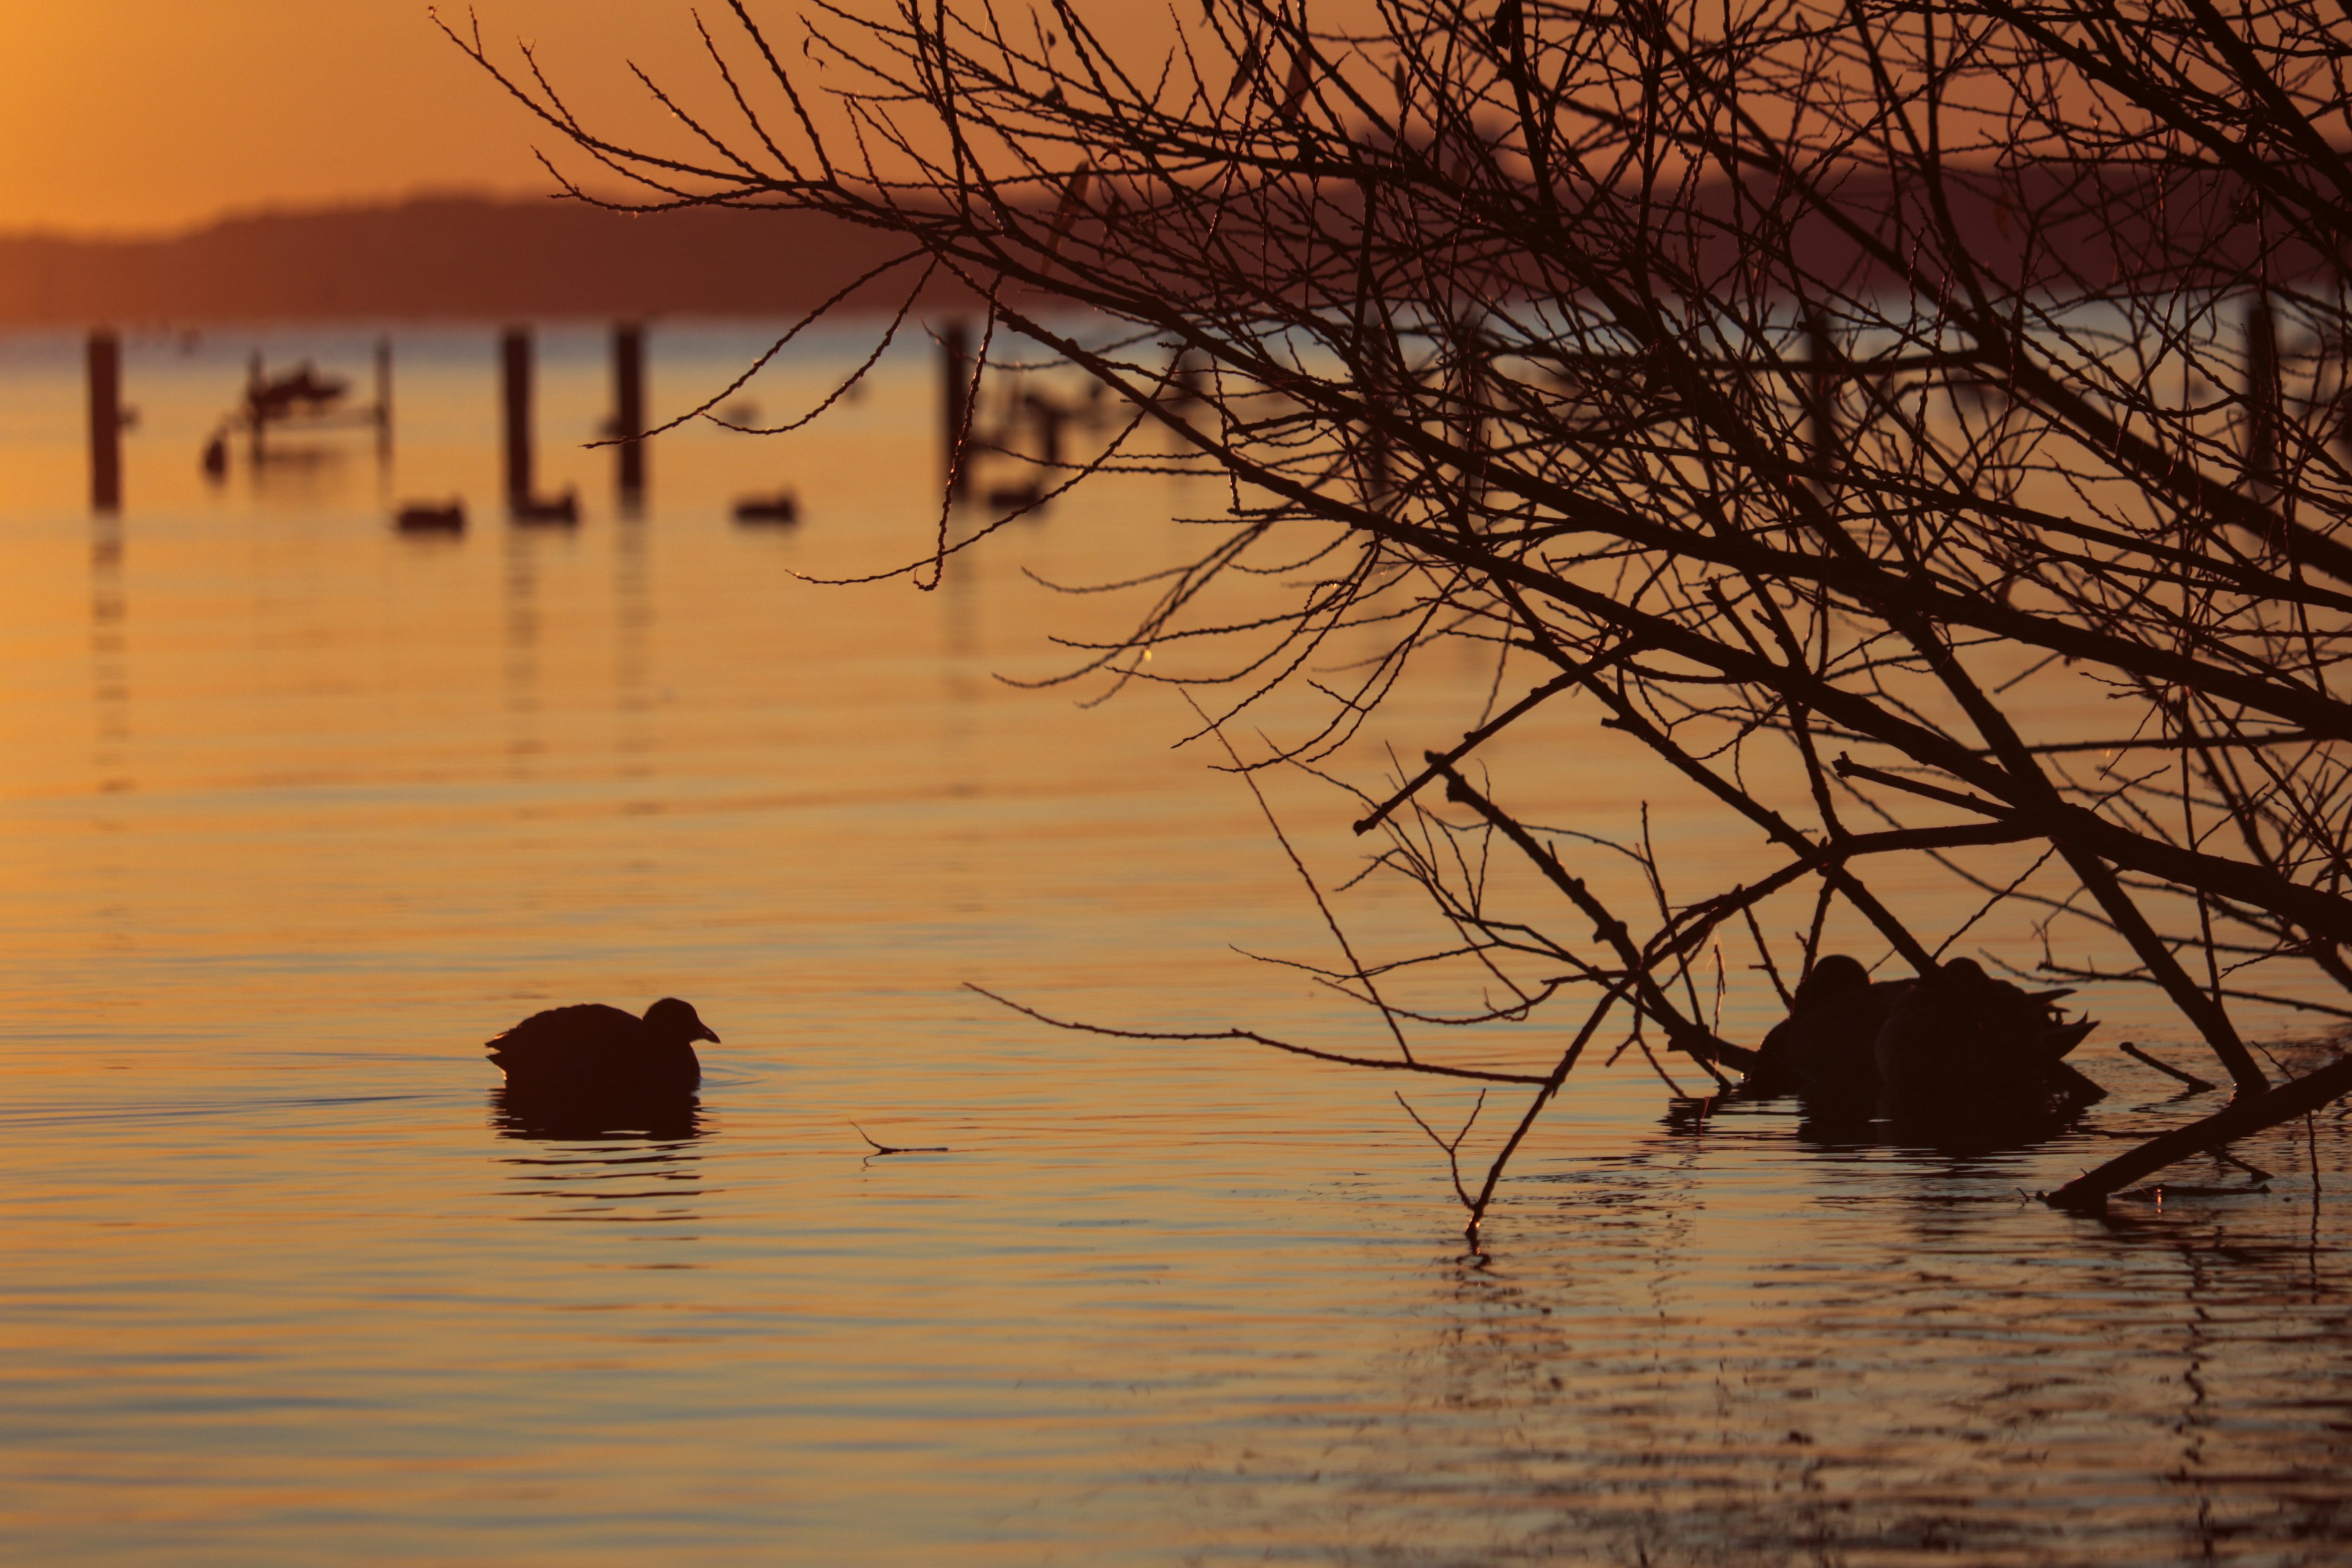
2244,1116
1839,402
889,1149
1433,1069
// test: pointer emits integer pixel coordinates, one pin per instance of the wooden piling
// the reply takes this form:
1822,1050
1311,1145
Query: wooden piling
629,411
384,400
1189,378
514,385
1821,402
2262,397
105,361
1050,417
1375,475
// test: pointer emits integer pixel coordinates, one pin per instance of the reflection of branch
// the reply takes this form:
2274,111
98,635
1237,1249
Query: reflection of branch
1451,1146
1388,1064
2246,1115
1551,1083
887,1148
2191,1079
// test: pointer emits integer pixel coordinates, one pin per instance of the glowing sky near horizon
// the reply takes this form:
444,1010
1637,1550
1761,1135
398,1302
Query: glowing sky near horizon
144,114
127,115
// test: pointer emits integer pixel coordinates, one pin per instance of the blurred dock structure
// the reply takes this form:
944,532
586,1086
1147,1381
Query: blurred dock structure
302,401
1026,426
991,414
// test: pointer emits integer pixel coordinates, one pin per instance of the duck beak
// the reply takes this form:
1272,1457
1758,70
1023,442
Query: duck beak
708,1035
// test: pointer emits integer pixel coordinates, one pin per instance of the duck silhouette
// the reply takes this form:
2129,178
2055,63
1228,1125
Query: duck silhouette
598,1050
1827,1044
1960,1039
1954,1039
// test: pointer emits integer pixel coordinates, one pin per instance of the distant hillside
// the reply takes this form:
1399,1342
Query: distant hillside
447,258
2062,230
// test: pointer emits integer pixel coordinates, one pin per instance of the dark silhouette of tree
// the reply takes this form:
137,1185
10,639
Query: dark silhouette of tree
1836,398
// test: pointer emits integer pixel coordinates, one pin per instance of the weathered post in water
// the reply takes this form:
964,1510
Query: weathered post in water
2262,398
1821,401
105,357
383,401
514,388
629,411
955,373
1050,416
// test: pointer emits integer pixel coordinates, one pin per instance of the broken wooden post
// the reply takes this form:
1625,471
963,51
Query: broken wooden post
1820,404
105,359
514,387
384,400
629,411
2262,398
1050,416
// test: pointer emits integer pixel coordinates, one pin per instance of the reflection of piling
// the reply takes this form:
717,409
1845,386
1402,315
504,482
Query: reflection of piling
110,657
514,387
105,422
955,372
629,411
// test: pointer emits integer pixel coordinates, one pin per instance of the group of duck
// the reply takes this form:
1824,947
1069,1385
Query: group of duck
1952,1041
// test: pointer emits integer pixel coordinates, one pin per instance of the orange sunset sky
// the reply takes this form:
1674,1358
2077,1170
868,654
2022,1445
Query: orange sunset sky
146,114
127,115
123,116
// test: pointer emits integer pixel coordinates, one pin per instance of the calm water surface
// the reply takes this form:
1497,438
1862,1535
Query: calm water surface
294,811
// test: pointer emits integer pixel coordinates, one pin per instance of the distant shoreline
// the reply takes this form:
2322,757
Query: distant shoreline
475,258
443,259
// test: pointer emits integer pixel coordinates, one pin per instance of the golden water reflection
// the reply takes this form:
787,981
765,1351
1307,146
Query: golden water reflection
635,1164
295,813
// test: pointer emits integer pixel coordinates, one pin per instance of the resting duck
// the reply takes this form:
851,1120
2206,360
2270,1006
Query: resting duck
1961,1039
1956,1038
1828,1041
595,1049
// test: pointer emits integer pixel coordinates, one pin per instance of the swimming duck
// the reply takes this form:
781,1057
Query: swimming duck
1960,1039
594,1047
1827,1043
